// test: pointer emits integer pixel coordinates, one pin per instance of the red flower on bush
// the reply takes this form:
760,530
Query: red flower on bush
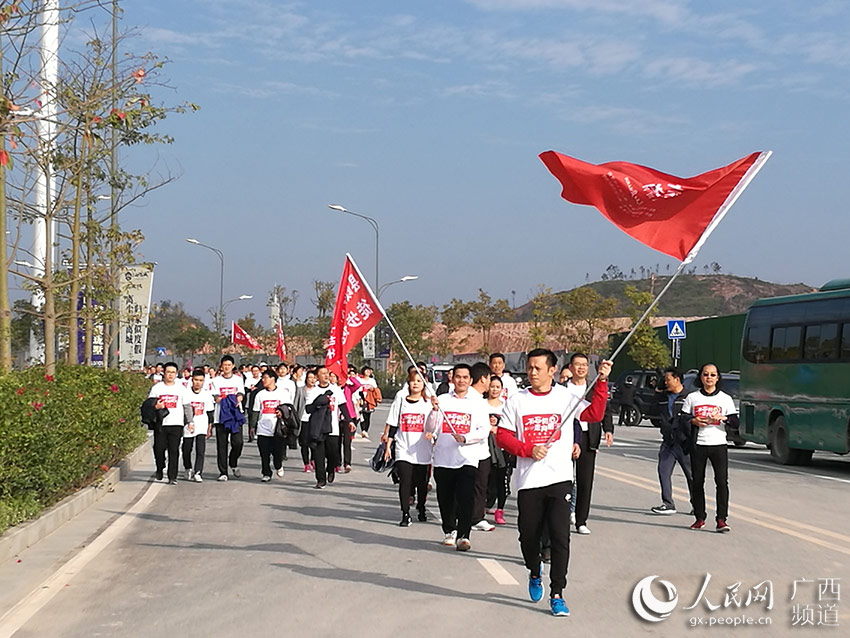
36,405
122,420
113,388
48,377
79,396
104,468
21,390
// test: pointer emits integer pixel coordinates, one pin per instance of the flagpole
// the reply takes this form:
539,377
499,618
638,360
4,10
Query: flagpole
731,198
397,336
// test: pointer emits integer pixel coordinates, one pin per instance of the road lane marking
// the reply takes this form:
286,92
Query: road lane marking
499,573
757,517
789,471
21,613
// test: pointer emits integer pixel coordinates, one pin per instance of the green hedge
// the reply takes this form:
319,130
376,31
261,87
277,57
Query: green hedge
61,433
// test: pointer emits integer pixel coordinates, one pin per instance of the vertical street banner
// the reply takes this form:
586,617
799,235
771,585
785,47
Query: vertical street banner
97,334
281,343
136,288
369,345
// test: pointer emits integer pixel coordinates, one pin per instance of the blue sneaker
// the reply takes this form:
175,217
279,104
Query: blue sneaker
558,606
535,589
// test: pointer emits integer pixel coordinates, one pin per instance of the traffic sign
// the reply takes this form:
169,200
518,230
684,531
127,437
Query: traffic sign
676,329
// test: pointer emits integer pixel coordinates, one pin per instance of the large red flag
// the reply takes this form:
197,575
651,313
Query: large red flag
281,344
242,338
356,313
665,212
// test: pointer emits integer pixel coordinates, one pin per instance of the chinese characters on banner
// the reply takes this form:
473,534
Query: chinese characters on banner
242,338
356,313
135,301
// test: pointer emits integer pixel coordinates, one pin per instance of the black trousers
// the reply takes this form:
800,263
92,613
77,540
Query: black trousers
303,443
167,441
365,420
549,504
271,448
199,442
455,495
236,443
585,466
326,456
498,486
345,438
479,502
411,477
719,457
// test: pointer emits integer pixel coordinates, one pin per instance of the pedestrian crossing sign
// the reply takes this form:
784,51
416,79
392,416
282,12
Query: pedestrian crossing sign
676,329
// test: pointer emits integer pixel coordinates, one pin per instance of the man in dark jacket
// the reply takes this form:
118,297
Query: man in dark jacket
675,440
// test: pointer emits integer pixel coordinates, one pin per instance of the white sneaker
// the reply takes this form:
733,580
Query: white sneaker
280,472
222,477
187,474
363,435
450,538
198,478
266,479
483,526
583,529
572,518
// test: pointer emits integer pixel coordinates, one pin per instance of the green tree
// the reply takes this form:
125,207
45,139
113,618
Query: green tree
541,316
582,319
645,348
485,313
454,316
415,325
168,321
325,297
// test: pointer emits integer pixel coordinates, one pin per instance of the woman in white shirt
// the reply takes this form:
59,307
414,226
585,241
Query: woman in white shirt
406,423
709,411
265,405
498,482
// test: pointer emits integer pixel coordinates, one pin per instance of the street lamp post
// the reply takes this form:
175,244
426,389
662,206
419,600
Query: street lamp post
397,281
221,280
374,224
230,301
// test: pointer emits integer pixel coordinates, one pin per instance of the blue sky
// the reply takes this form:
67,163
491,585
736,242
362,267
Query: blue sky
429,117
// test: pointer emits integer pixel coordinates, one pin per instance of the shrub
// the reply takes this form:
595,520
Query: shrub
61,433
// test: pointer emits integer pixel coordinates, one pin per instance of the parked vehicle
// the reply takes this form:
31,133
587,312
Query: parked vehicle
643,384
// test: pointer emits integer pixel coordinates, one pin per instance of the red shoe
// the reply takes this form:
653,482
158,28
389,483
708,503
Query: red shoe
722,526
307,468
499,517
698,524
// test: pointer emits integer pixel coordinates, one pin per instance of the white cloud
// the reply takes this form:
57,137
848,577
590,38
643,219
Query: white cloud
665,11
695,72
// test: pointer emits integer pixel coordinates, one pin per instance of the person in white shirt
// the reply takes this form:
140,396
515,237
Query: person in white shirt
536,426
303,436
265,409
199,429
710,410
169,394
406,422
371,397
497,365
480,384
224,385
460,438
323,403
499,483
186,379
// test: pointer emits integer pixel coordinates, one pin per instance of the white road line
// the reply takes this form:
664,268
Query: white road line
788,470
499,573
21,613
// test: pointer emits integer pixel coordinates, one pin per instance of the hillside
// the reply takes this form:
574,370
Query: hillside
693,295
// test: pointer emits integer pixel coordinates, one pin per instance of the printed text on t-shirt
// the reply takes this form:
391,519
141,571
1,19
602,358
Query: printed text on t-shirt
537,428
460,420
412,422
712,412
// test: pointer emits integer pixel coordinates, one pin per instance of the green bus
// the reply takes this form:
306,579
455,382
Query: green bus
795,373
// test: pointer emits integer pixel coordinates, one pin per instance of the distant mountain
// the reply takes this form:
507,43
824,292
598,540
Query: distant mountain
691,295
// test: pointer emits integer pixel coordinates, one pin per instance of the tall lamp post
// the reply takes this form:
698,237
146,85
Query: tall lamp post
374,224
220,327
397,281
230,301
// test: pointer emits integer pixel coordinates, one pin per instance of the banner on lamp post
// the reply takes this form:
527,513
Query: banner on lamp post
136,287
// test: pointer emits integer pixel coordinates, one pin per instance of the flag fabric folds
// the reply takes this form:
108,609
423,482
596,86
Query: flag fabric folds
281,344
665,212
242,338
356,313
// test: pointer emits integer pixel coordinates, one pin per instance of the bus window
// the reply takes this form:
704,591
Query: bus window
845,342
828,341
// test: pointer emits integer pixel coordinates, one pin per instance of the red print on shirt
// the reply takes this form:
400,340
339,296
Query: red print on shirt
197,408
226,391
269,405
169,400
412,423
461,421
537,428
712,412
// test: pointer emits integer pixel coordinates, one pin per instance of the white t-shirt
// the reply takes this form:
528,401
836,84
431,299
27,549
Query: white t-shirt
578,391
509,386
222,387
336,400
715,405
286,383
208,386
250,381
265,403
201,402
470,418
533,417
172,397
410,442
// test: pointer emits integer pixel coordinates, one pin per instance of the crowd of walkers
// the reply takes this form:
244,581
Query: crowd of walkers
476,434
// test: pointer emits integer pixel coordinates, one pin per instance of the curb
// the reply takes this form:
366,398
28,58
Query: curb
17,539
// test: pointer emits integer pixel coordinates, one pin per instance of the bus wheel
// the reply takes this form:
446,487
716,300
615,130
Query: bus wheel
780,450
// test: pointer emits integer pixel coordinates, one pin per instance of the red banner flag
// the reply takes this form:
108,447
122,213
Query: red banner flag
356,313
281,344
242,338
665,212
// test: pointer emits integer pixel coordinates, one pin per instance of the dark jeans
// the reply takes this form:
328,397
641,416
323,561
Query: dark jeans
719,457
365,420
167,441
480,499
270,447
498,486
304,443
326,456
345,437
200,444
412,477
668,456
455,495
221,438
547,504
585,466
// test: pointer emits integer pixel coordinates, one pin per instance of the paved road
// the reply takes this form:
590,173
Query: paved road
247,558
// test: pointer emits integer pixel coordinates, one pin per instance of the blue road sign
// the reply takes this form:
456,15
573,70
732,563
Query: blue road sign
676,329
